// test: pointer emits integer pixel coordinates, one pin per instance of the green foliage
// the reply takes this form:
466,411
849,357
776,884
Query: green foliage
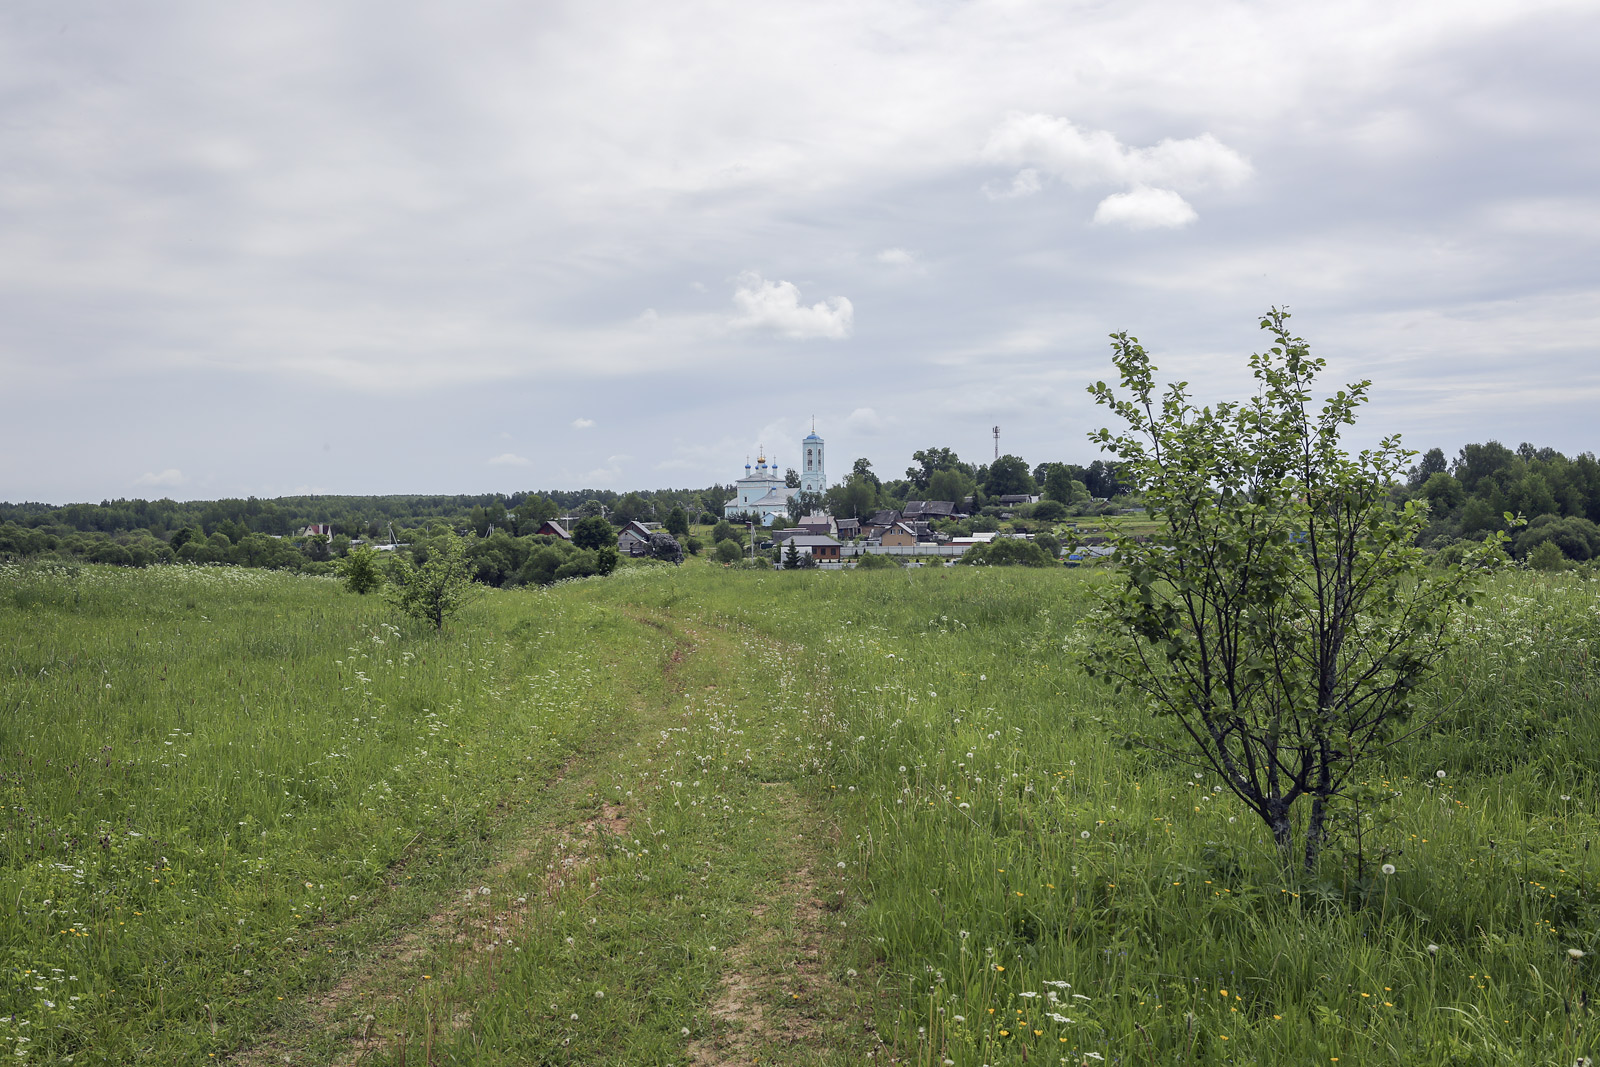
727,551
1048,510
436,591
1285,615
606,560
1547,557
677,523
1008,476
725,531
877,561
594,532
360,572
534,511
1007,552
1576,538
693,545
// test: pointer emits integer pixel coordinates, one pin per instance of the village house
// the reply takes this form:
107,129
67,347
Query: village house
819,547
634,538
898,536
552,528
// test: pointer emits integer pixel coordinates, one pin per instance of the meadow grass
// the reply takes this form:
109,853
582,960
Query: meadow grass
221,783
281,774
1036,889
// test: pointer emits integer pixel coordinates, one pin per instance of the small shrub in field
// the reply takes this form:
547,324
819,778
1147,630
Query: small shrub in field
437,590
359,569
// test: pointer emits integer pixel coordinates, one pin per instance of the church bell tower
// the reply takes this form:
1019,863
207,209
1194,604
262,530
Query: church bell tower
813,478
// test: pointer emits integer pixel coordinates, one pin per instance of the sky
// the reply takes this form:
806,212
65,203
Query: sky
350,247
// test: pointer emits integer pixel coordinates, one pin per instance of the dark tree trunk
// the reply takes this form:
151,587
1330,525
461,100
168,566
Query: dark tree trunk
1282,831
1316,831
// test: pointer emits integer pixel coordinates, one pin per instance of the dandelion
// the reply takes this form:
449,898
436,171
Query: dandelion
684,1031
1387,868
1575,953
574,1016
850,973
599,994
1438,774
1084,835
1433,950
959,1018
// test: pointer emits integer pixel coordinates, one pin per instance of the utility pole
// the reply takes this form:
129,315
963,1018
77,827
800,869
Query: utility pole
997,442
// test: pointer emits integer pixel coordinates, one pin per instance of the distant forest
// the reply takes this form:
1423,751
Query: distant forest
1468,497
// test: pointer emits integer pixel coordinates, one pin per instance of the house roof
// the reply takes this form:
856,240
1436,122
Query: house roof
809,540
929,508
556,528
885,518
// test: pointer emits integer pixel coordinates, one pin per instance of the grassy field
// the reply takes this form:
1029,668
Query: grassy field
718,816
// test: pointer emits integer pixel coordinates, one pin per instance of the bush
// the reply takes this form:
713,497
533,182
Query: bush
728,551
877,562
594,533
359,569
1547,557
1049,511
1048,544
694,545
1007,552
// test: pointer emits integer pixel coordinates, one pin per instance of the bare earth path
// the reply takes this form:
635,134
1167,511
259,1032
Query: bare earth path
671,897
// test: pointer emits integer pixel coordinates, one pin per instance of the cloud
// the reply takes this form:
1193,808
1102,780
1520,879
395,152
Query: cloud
1083,159
864,421
603,475
1145,209
896,257
510,459
1086,158
582,424
170,477
1026,183
776,306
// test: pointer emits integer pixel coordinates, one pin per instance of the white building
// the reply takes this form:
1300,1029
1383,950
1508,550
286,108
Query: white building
761,491
812,477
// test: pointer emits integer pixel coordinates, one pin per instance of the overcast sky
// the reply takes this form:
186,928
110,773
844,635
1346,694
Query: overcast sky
272,248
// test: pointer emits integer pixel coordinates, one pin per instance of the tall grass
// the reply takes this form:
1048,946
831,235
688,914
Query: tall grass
219,784
1038,890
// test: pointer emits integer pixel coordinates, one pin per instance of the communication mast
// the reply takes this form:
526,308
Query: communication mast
997,442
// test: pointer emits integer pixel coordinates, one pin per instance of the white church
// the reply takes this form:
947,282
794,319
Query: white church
761,491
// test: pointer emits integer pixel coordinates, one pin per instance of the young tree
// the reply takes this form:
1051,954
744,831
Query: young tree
791,556
359,569
677,523
1286,614
441,587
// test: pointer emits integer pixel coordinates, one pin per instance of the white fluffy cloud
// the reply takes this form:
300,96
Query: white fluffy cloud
1086,158
1145,209
1083,159
897,257
510,459
582,424
776,306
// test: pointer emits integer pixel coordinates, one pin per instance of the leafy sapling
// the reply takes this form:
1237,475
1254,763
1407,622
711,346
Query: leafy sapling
1284,614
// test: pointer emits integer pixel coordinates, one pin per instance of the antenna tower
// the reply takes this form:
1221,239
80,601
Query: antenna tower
996,432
